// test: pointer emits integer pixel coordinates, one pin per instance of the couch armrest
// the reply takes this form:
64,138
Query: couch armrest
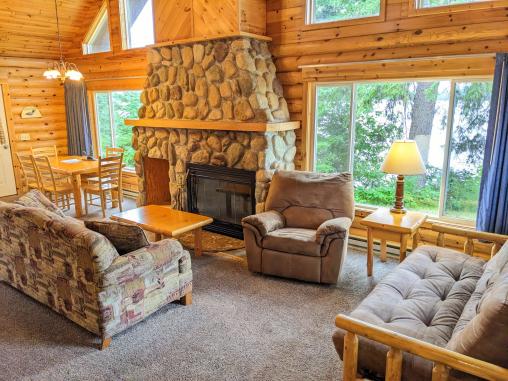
337,226
265,222
157,255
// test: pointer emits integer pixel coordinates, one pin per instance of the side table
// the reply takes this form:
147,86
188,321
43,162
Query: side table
387,226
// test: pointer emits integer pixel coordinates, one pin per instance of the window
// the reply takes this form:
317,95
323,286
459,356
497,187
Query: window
441,3
111,108
355,125
97,38
137,24
320,11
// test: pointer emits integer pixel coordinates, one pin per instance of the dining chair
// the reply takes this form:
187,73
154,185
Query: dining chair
55,184
114,151
49,151
109,181
90,178
28,171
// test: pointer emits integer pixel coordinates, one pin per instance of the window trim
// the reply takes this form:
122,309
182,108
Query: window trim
94,28
310,135
416,10
125,36
310,25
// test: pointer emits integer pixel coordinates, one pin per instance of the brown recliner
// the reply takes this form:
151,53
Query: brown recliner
303,232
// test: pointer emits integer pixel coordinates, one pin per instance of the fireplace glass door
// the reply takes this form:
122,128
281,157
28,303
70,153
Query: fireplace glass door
225,194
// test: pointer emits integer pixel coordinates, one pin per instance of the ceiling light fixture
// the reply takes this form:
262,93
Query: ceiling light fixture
62,70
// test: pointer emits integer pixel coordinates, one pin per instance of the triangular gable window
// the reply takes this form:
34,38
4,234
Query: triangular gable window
97,38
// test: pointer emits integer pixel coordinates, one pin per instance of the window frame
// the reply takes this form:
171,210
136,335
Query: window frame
125,35
416,10
310,24
94,29
311,144
94,117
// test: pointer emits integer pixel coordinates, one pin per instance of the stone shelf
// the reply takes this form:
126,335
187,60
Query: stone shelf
220,125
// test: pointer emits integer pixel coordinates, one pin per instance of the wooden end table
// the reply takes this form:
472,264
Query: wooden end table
165,221
387,226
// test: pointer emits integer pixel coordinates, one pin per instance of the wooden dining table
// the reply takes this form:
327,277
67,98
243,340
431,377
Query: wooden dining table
74,167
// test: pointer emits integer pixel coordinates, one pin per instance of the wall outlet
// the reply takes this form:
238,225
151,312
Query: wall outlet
24,137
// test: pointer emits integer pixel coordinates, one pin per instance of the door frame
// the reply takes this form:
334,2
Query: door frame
10,132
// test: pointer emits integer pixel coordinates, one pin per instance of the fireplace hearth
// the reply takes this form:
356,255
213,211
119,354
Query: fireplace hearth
225,194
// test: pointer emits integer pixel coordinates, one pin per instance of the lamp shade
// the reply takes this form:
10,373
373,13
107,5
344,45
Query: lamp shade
403,158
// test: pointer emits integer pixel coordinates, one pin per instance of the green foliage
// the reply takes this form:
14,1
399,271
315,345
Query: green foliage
332,10
383,114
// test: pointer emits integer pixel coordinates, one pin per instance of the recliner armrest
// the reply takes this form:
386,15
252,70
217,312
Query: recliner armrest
338,226
265,222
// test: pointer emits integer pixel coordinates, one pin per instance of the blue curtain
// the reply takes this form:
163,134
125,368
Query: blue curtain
79,137
493,207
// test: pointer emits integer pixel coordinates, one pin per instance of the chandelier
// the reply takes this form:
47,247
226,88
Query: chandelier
62,70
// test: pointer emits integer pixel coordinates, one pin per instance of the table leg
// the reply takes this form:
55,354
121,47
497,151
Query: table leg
403,246
383,250
370,251
198,236
76,185
114,199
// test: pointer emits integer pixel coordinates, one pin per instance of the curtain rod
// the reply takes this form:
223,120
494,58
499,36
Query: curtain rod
426,58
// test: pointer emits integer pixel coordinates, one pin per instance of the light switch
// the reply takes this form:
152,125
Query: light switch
24,137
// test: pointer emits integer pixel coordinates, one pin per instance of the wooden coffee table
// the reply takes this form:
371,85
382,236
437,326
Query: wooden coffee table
166,222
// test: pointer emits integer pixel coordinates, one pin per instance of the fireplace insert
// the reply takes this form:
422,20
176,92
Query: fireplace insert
225,194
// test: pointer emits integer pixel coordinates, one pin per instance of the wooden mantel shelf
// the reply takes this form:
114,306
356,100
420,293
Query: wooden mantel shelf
204,38
220,125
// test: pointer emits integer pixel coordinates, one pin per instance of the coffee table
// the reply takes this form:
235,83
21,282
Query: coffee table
165,221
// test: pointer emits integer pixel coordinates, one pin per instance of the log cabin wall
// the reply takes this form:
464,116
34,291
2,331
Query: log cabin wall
400,34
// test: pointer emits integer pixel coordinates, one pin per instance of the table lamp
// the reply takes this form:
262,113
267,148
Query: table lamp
403,159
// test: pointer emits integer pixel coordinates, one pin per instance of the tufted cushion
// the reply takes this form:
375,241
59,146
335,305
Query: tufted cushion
35,199
482,330
424,298
293,240
124,237
307,199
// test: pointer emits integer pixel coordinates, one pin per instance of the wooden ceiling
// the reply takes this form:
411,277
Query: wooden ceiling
28,28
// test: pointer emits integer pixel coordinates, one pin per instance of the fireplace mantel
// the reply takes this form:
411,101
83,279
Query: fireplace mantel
218,126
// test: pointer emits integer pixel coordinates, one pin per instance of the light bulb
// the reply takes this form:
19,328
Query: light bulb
51,74
73,75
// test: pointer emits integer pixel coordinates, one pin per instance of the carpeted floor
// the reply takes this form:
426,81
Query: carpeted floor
241,326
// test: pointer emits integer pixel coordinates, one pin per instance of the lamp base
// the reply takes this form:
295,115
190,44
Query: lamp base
398,207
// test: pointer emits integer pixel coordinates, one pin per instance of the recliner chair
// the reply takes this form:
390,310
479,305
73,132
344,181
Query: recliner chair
304,230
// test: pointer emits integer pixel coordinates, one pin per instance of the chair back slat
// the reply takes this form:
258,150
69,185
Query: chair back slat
110,170
28,170
50,152
114,151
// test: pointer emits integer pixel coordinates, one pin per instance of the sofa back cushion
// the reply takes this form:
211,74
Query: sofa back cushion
124,237
482,330
307,199
36,199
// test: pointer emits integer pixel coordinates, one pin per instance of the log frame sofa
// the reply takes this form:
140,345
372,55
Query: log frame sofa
446,364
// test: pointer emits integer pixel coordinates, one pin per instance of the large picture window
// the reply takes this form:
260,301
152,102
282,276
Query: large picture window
137,23
111,108
320,11
97,38
355,125
442,3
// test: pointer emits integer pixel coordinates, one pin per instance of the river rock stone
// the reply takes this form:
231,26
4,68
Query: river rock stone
187,57
176,55
163,73
214,97
171,75
215,114
182,78
201,88
178,107
214,74
199,52
203,109
198,71
218,159
220,51
153,94
279,146
244,61
154,80
243,110
208,61
234,154
190,113
227,109
225,90
175,93
230,68
166,53
190,99
200,157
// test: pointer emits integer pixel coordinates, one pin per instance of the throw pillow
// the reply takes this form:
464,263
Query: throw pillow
124,237
36,199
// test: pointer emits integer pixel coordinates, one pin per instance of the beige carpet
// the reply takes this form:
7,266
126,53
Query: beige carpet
212,242
241,326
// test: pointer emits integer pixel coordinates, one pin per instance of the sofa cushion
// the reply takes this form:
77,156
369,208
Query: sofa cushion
482,330
35,199
124,237
422,298
304,198
293,240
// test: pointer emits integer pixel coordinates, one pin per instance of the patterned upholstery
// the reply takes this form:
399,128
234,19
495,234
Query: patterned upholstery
79,274
124,237
36,199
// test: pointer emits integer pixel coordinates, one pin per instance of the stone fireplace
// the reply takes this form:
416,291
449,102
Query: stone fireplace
218,103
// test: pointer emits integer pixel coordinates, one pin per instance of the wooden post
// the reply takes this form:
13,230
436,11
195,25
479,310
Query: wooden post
440,239
186,299
440,372
393,365
106,341
469,246
198,236
350,356
383,250
403,246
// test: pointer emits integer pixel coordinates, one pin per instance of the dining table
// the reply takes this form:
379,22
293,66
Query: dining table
75,167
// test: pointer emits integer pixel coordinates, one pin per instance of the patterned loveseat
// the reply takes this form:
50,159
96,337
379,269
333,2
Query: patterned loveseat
79,273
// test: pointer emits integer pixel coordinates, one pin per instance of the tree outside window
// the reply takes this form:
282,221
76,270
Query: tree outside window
337,10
